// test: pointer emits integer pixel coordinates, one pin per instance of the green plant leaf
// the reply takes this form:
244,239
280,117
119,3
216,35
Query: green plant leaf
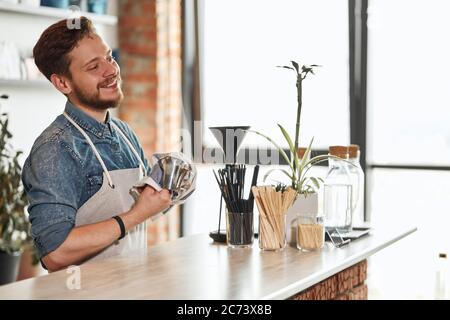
316,160
294,154
280,150
14,225
276,169
307,153
308,190
315,181
286,67
305,69
320,158
295,64
311,163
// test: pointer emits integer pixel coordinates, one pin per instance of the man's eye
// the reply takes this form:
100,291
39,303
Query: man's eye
110,58
93,67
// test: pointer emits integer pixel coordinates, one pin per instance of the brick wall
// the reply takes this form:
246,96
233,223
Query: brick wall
150,56
345,285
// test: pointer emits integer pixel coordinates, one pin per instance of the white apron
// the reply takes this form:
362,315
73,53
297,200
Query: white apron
112,199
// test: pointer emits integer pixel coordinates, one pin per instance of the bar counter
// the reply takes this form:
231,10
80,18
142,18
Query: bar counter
194,267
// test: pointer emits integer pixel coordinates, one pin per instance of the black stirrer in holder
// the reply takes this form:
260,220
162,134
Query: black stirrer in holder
230,180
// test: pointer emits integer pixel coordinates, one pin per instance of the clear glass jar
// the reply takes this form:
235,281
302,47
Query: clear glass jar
310,231
272,232
239,229
357,182
338,191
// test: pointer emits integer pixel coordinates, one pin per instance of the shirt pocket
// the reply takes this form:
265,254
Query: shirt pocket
95,182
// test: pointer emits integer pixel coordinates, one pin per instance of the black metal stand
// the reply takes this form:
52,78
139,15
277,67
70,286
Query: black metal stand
217,235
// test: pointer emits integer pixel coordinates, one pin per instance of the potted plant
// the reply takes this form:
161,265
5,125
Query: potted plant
14,225
306,186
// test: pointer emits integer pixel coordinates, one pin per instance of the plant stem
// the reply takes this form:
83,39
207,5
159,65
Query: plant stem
299,111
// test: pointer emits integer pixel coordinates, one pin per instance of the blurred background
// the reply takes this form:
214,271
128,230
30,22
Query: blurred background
188,65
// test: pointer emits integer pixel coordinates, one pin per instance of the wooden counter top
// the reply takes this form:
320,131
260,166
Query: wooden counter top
196,268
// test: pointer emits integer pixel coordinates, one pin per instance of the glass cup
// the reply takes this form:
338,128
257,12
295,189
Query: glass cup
272,232
239,229
310,232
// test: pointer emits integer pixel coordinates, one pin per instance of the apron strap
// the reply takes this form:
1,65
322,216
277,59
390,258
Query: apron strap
141,163
105,170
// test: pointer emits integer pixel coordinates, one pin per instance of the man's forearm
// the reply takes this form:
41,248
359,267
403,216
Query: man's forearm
85,241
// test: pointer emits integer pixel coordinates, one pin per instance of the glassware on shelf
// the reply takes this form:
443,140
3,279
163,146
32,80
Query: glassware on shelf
357,182
310,231
338,191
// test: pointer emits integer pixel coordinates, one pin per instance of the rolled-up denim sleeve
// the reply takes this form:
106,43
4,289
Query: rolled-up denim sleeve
51,177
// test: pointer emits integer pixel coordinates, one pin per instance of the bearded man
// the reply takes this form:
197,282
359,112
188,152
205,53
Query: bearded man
82,166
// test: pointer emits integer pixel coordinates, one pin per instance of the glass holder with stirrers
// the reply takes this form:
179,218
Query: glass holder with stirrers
231,182
273,203
239,213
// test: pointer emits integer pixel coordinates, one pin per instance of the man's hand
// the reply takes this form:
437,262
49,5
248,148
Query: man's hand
87,240
151,202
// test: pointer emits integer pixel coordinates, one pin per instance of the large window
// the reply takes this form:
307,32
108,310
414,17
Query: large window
408,82
408,146
244,41
406,100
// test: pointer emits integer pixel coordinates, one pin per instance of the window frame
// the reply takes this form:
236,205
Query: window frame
192,82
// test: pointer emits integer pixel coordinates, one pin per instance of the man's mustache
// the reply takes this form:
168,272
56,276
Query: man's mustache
109,81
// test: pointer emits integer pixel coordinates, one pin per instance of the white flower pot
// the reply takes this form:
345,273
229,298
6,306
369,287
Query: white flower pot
310,204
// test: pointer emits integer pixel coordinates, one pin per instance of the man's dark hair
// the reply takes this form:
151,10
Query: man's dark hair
51,51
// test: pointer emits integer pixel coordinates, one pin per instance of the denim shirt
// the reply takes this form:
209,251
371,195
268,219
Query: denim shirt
62,173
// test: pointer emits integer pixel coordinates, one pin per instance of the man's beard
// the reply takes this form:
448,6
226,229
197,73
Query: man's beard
93,99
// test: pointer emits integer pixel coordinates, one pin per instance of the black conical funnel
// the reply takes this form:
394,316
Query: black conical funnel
230,140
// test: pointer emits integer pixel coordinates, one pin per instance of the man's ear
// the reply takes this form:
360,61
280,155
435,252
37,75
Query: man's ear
61,83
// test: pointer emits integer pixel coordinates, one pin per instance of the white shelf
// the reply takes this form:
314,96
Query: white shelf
55,13
9,83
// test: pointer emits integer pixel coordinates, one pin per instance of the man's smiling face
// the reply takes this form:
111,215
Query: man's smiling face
94,74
